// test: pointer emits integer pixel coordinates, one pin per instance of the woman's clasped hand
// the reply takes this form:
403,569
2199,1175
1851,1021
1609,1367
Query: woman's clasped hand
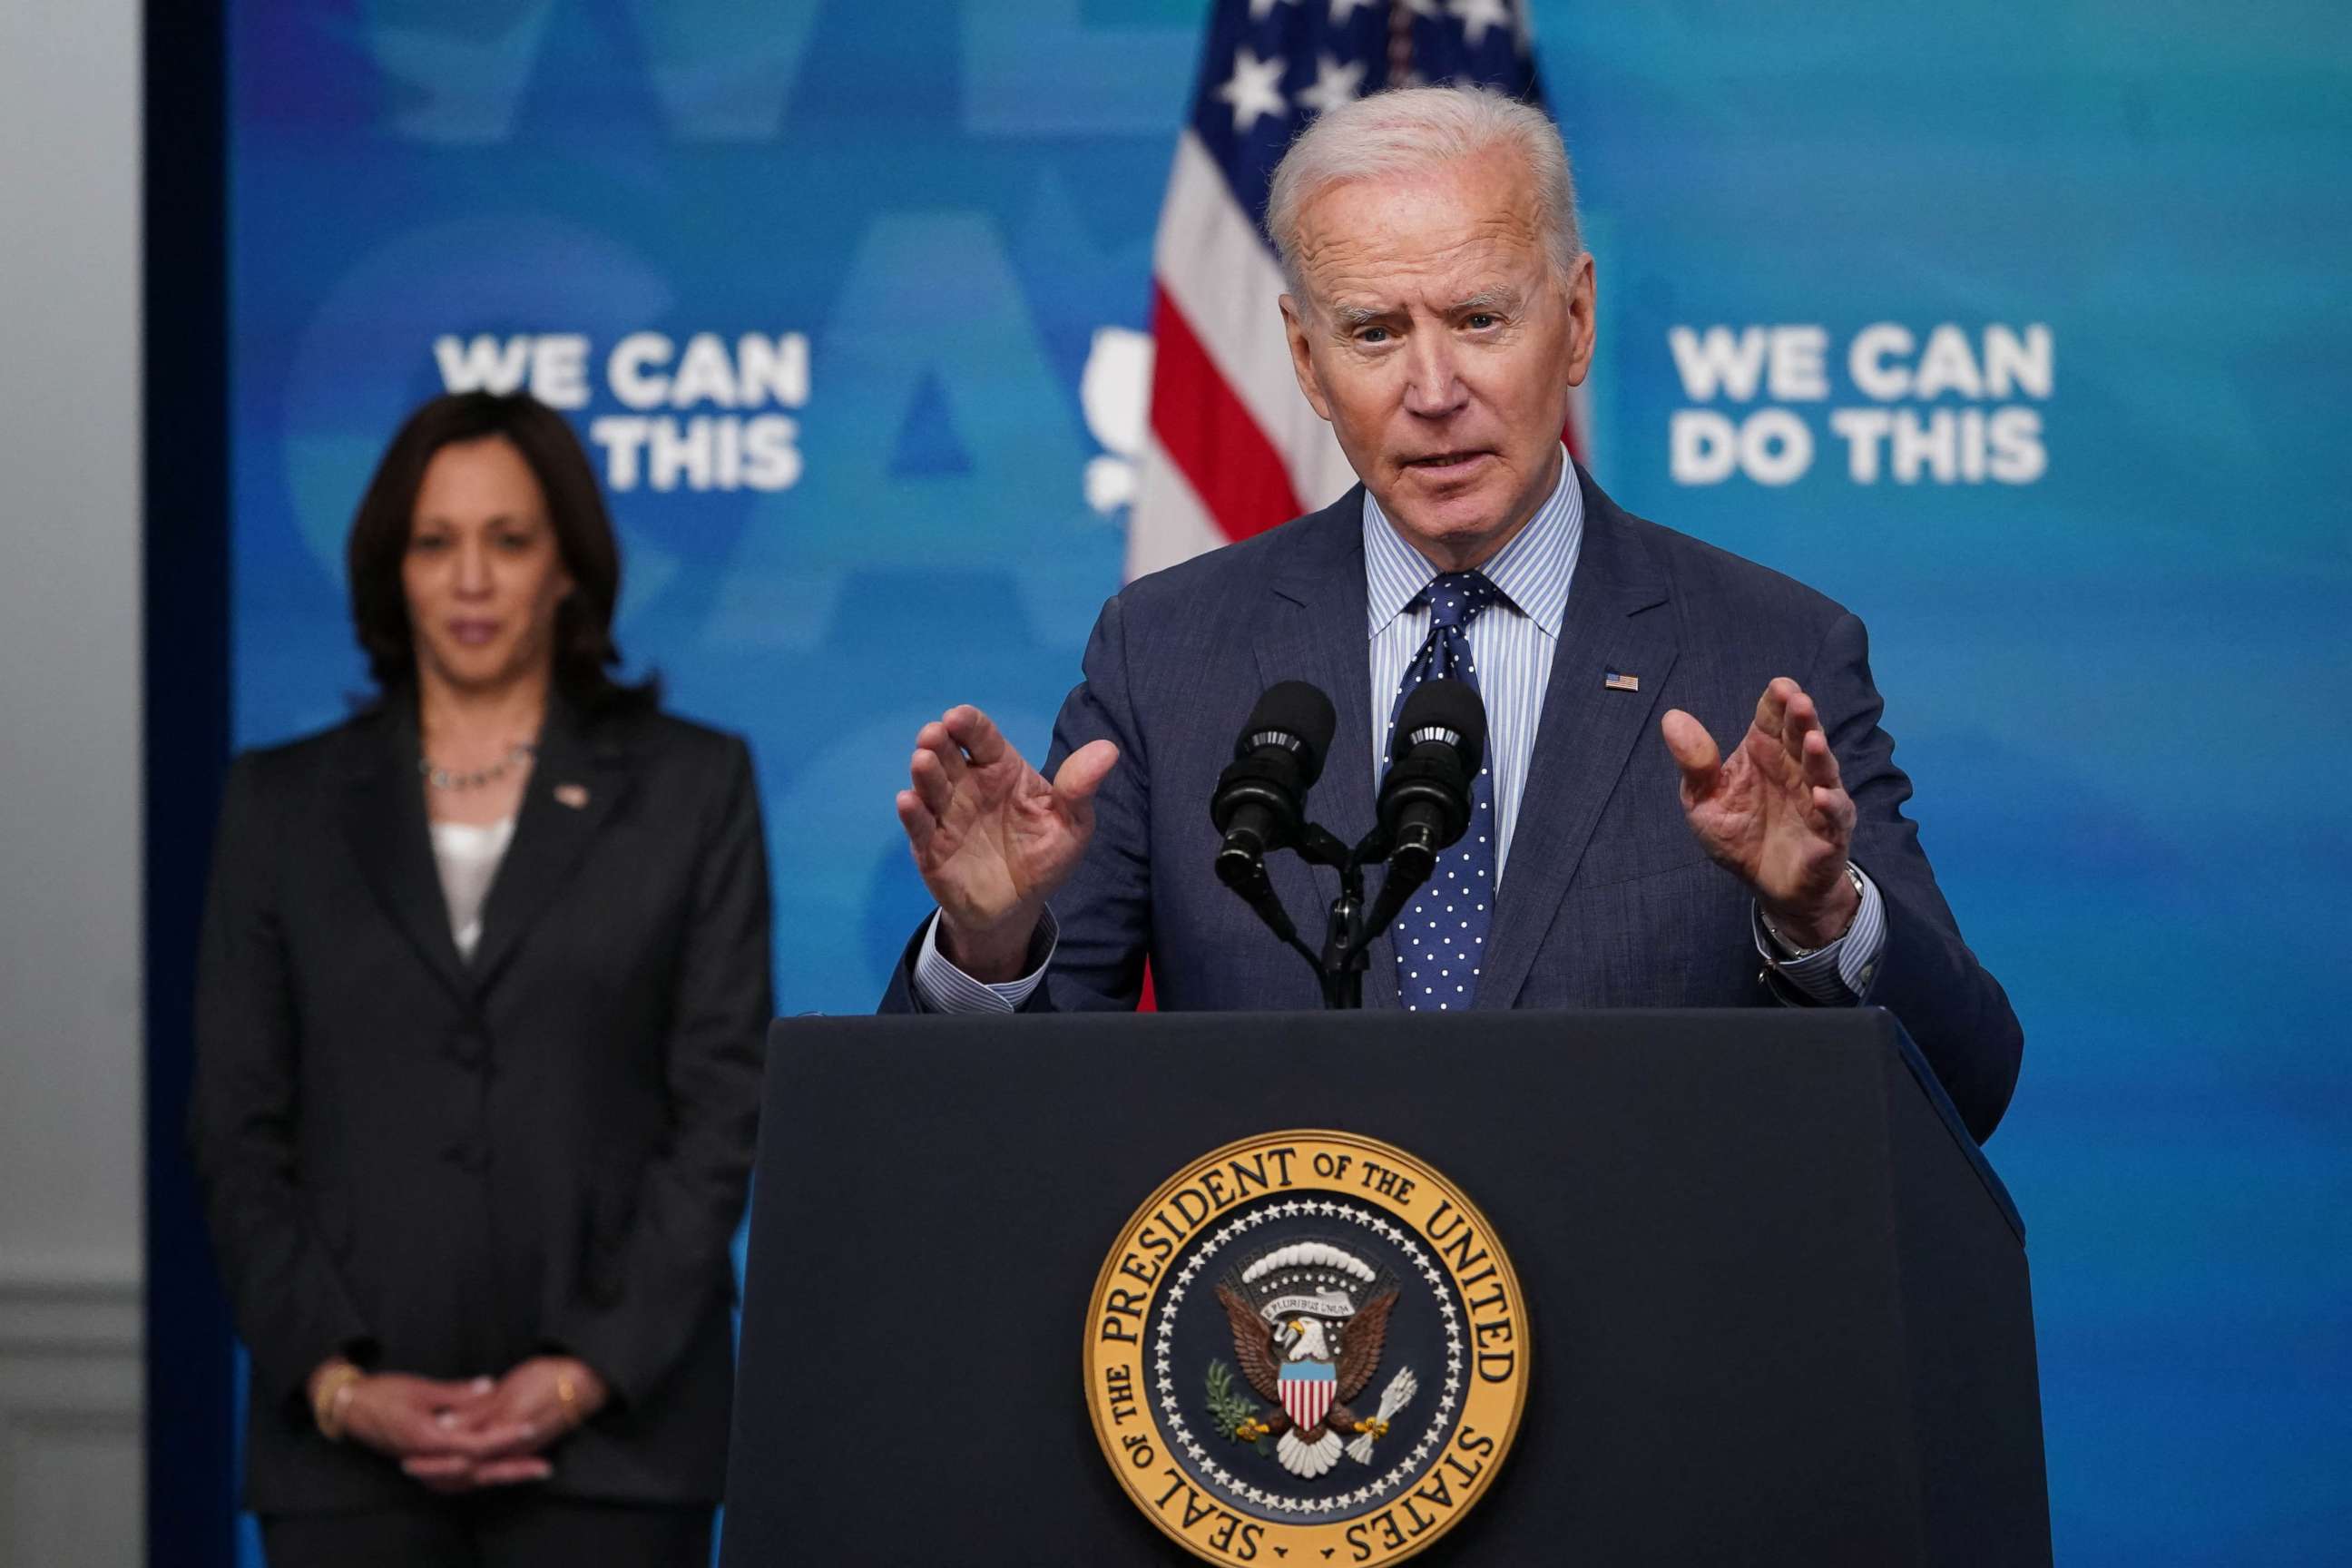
458,1436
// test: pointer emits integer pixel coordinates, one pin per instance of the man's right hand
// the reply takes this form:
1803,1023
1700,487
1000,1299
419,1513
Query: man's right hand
991,837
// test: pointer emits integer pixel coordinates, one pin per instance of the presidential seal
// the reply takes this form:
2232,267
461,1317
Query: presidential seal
1306,1348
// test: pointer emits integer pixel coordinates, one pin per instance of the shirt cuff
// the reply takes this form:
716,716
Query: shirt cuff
940,986
1840,974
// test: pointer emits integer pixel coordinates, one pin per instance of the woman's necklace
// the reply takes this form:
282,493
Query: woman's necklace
440,777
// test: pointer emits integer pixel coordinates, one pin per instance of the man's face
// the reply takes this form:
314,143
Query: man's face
1441,342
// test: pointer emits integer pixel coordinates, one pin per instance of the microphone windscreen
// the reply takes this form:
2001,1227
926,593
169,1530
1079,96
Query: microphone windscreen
1442,704
1298,709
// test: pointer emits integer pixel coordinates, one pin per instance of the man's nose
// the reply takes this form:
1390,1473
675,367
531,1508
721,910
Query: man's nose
1433,388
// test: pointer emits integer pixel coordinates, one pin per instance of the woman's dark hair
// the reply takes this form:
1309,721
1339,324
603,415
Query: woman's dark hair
585,654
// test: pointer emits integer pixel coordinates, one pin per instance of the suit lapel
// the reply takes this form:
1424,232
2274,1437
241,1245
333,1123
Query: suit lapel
1314,629
579,777
383,820
1616,620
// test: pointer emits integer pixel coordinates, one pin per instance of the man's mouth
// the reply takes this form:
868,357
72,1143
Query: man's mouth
1445,464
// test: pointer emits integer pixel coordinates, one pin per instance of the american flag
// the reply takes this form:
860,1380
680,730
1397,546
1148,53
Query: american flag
1234,449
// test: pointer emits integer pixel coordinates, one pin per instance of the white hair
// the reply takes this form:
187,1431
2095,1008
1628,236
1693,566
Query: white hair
1410,131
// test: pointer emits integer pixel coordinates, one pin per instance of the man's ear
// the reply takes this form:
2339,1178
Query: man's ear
1583,312
1302,363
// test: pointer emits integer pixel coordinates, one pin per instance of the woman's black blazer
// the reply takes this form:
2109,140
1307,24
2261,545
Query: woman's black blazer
443,1167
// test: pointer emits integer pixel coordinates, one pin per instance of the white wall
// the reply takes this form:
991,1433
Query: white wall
71,1482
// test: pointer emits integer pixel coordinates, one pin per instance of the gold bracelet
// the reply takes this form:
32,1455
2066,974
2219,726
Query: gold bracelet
326,1401
567,1393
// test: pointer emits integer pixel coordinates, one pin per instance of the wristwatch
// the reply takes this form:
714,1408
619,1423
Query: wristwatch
1789,951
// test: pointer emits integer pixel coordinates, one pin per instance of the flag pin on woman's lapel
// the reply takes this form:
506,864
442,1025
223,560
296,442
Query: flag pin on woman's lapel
1613,681
574,795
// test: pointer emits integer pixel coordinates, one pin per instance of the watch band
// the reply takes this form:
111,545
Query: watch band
1790,952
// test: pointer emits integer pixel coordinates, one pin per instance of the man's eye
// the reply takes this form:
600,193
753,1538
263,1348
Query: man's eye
1481,319
1373,335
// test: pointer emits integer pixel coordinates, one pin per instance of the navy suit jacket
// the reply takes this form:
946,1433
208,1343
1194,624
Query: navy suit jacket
1607,900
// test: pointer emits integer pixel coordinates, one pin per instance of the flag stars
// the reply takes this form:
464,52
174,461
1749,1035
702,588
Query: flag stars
1335,84
1475,17
1253,91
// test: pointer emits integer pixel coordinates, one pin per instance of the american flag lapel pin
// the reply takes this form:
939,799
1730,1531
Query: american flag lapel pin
574,795
1613,681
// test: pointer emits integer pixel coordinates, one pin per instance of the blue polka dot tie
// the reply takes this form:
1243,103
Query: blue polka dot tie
1441,936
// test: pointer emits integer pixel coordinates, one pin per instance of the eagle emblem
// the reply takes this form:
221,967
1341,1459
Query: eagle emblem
1262,1320
1310,1320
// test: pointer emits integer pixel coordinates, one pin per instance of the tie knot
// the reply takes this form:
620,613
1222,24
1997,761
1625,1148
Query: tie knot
1456,598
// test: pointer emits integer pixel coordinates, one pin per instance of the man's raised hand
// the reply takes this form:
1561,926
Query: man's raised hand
1774,812
991,837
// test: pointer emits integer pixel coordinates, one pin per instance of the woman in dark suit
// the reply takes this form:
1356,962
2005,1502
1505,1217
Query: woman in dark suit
483,988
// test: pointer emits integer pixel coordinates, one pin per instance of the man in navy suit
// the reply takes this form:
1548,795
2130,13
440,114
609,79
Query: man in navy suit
1439,309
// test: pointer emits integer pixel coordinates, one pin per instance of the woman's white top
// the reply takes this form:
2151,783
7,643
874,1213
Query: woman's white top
469,857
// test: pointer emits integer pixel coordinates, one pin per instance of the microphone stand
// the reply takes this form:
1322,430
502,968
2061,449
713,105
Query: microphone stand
1341,967
1353,925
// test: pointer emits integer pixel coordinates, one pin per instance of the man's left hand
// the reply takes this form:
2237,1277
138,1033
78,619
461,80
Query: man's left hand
1773,812
529,1402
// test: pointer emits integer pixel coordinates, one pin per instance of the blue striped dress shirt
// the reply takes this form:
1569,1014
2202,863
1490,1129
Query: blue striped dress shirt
1512,644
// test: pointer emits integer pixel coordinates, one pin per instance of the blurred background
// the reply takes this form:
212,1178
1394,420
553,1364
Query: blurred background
2020,330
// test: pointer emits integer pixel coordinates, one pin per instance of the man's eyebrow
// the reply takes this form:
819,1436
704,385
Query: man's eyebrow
1504,301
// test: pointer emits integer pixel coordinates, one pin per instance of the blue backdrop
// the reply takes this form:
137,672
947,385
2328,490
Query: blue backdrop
2018,330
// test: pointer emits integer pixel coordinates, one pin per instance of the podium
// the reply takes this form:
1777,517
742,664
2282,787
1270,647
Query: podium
1776,1301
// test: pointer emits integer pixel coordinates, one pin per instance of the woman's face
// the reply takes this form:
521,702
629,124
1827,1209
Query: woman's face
483,576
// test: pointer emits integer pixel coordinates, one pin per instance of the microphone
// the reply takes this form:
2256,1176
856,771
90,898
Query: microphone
1439,746
1261,799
